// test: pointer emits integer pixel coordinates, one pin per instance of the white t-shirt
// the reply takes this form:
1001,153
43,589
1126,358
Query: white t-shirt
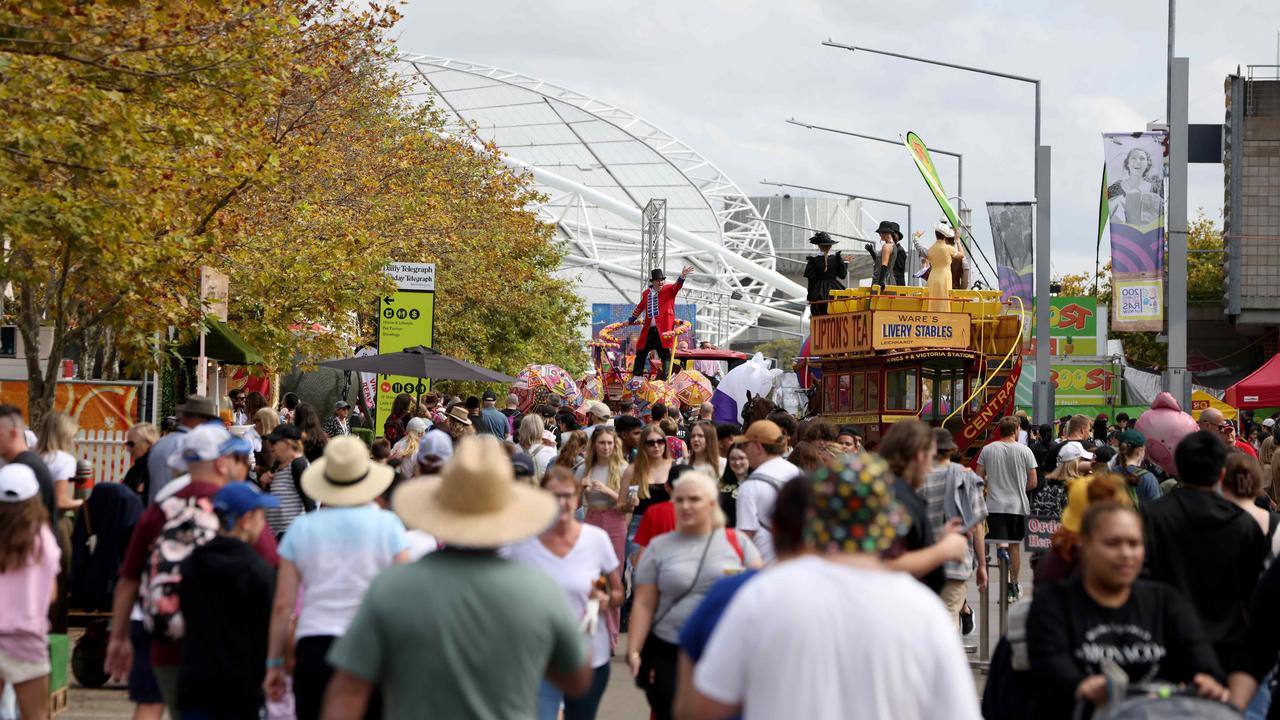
61,465
755,503
588,559
815,639
338,551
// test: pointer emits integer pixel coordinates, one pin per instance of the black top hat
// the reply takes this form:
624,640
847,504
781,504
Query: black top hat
657,274
887,226
822,238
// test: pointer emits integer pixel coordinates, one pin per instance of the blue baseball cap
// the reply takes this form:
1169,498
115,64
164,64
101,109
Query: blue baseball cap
236,446
237,499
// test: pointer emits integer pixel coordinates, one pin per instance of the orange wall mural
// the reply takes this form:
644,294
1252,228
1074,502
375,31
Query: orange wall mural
95,406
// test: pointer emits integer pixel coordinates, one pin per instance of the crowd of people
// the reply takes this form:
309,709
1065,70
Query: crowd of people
484,562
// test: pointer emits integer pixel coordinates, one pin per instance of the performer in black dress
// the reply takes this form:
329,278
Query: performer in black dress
824,273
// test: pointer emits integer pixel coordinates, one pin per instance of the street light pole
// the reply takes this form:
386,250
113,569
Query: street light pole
1042,409
959,158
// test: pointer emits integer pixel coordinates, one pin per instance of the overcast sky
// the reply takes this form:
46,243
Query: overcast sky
724,75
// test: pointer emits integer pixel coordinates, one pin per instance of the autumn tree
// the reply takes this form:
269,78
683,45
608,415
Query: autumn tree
125,128
143,139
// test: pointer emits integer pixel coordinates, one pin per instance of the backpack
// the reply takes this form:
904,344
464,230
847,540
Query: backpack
1049,499
188,524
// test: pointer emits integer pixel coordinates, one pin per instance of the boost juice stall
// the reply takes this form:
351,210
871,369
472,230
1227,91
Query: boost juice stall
884,358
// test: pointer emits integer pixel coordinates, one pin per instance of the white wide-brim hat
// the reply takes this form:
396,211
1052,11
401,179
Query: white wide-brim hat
345,476
945,230
475,501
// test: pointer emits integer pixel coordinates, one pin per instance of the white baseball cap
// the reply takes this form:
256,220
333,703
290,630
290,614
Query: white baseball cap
1268,422
1073,451
203,444
17,483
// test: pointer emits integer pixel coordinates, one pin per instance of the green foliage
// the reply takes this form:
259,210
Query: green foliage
784,350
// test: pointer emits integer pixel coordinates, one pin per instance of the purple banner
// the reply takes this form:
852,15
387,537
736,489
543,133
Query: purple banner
1135,168
1015,259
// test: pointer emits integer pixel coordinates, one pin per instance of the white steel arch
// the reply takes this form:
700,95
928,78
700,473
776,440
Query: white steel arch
598,165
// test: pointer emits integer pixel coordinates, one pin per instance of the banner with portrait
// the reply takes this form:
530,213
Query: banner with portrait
1135,208
1015,259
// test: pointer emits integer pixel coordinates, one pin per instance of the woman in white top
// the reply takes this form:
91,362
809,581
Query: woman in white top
606,497
56,448
578,557
529,434
704,449
334,552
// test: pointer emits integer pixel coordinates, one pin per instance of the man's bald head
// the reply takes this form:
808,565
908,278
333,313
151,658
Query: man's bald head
1211,419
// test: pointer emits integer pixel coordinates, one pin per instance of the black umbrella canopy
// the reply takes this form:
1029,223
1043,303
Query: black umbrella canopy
419,362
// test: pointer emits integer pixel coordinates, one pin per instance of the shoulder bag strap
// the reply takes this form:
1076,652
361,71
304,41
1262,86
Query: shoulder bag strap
732,536
692,585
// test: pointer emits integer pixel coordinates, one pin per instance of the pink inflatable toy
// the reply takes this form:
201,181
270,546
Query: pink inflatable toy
1164,426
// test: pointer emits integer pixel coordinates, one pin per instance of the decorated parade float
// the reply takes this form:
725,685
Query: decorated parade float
876,358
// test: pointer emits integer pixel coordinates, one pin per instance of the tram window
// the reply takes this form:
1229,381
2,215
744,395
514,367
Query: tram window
844,392
858,398
900,391
829,393
873,392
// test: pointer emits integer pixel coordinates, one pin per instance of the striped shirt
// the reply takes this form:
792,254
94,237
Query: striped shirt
653,304
282,486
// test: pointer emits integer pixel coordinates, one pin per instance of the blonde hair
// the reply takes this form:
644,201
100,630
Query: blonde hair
709,489
640,466
265,420
57,432
617,463
1066,472
530,432
145,432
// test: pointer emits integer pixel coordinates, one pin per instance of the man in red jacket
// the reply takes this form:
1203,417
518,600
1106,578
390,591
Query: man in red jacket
658,306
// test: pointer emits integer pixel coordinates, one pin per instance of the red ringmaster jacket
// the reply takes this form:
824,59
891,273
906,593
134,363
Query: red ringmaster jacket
666,312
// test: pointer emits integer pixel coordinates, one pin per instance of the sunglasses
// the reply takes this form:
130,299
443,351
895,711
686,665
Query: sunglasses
654,443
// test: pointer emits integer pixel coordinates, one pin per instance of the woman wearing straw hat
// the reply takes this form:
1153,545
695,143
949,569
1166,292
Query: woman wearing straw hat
578,556
483,631
335,552
673,576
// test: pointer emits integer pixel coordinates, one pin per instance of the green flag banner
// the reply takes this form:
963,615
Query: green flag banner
920,154
1104,208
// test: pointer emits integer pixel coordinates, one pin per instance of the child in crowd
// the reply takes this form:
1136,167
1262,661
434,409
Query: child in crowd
226,594
29,558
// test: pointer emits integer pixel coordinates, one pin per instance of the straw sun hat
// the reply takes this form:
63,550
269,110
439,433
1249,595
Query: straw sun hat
345,476
475,501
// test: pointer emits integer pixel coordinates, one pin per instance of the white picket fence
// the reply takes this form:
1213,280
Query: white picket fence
105,451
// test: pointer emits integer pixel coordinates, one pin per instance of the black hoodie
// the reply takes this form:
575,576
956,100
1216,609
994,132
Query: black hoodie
1212,551
226,595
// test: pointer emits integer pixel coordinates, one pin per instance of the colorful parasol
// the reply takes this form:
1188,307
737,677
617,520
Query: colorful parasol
691,387
591,387
536,383
657,391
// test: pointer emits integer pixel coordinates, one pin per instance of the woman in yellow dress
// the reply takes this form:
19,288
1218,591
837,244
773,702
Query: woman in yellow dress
940,255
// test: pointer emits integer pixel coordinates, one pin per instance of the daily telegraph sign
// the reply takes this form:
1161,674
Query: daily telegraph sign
888,330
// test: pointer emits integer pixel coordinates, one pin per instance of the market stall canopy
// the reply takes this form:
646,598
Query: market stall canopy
1260,390
223,344
419,362
1201,401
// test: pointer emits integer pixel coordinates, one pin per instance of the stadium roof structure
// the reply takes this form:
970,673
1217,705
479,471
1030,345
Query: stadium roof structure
598,166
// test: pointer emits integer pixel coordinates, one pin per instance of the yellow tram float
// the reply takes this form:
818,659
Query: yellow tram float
887,356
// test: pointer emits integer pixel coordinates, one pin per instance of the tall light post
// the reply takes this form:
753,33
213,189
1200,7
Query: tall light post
848,195
1043,396
959,157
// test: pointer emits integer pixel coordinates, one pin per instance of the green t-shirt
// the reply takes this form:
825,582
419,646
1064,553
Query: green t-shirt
458,635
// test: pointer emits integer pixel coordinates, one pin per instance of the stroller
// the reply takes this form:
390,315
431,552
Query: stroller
1153,701
99,539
